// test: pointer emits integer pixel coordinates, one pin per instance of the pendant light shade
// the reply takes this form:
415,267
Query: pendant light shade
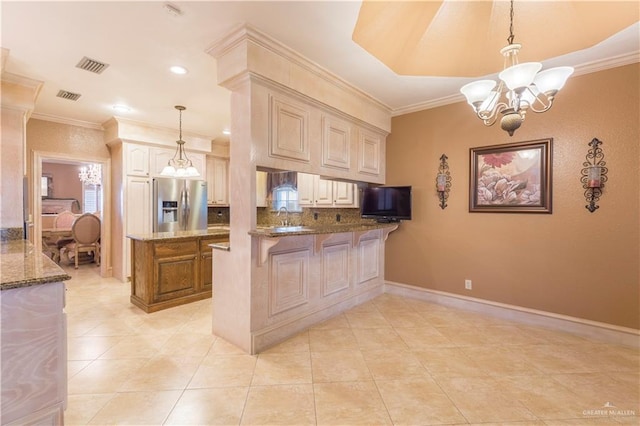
180,165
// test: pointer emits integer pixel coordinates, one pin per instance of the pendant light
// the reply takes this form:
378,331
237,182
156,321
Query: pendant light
522,86
180,165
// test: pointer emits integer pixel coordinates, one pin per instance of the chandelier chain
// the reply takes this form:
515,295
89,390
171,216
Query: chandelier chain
511,36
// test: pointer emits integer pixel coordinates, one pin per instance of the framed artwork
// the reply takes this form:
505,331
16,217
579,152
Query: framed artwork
511,178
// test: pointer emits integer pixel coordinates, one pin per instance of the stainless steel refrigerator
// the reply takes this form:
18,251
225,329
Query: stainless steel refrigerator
179,204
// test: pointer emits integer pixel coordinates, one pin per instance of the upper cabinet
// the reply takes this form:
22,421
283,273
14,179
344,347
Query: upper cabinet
314,191
261,189
313,138
137,158
217,181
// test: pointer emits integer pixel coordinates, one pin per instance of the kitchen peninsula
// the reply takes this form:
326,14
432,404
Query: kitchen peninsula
172,268
302,275
34,336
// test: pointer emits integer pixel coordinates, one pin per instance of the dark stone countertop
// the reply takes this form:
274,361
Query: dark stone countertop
22,266
287,231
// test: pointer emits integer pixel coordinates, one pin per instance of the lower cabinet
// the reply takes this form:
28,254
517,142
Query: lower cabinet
169,273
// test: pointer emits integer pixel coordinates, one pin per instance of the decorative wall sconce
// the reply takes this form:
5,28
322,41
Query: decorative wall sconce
594,175
443,181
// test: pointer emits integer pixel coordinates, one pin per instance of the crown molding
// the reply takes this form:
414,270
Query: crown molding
68,121
582,69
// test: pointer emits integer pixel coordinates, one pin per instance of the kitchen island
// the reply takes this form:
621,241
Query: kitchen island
300,276
34,336
172,268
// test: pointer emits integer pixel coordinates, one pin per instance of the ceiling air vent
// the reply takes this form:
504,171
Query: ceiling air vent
68,95
92,65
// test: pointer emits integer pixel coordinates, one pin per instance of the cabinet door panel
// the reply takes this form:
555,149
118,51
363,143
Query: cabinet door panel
174,277
138,212
336,143
159,159
305,190
369,153
324,192
137,160
289,129
344,194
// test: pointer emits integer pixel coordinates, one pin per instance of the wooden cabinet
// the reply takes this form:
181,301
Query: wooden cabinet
137,212
370,153
159,158
261,189
169,273
313,191
217,181
137,160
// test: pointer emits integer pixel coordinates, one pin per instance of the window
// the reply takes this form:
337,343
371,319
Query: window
91,198
286,196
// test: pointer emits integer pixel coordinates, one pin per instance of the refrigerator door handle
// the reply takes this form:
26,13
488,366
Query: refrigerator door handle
186,208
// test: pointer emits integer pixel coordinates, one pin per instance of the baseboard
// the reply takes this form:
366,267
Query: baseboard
582,327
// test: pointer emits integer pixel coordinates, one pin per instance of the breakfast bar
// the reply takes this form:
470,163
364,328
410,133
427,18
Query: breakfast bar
300,276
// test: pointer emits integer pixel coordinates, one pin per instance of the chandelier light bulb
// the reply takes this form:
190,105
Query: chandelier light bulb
180,165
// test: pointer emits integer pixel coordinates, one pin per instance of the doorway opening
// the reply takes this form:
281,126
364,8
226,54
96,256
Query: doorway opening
75,184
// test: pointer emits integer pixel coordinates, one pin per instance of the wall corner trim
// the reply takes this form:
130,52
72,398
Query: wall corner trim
582,327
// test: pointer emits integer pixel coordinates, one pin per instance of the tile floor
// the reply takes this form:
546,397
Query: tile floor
390,361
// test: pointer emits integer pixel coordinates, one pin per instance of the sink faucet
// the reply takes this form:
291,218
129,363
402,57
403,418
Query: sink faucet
284,222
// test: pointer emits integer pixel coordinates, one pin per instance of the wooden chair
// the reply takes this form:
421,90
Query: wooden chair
86,238
64,219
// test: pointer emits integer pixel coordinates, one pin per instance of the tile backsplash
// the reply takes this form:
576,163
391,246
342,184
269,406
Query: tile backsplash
218,215
311,216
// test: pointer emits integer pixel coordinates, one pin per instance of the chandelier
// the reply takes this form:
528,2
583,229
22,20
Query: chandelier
523,85
180,165
91,175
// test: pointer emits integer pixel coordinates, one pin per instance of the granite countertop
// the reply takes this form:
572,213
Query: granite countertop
178,235
287,231
224,246
22,266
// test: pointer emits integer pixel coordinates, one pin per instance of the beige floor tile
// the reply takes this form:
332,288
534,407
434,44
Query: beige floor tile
187,344
418,402
329,340
469,335
349,403
545,397
116,327
364,307
424,337
373,319
136,346
392,364
378,338
280,405
104,375
554,359
339,321
584,421
74,367
449,362
404,319
391,303
222,347
483,399
198,325
297,343
137,408
500,360
224,371
596,390
221,406
163,373
89,347
83,407
339,366
282,369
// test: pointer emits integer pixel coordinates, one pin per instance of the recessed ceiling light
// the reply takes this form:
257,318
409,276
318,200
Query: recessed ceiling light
121,108
226,132
176,69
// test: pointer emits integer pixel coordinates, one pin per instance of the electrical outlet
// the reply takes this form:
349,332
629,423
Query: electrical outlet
467,284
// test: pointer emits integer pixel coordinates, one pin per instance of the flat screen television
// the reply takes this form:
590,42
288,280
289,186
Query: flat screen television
386,203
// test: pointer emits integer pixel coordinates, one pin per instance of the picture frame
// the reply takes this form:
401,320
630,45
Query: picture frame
511,178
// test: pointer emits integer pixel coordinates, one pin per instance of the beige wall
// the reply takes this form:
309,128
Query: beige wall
571,262
66,183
